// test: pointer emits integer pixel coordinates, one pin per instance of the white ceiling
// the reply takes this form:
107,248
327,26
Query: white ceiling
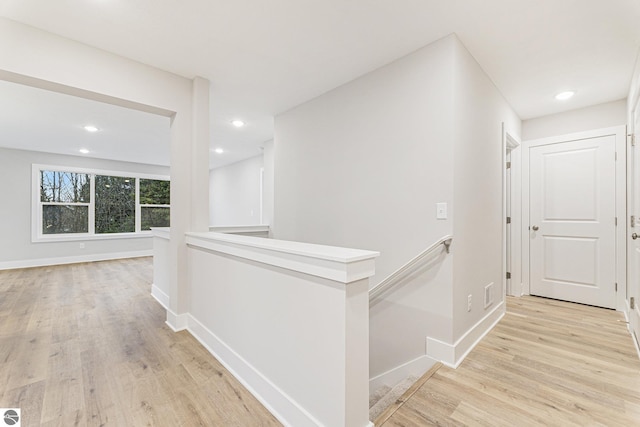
40,120
264,57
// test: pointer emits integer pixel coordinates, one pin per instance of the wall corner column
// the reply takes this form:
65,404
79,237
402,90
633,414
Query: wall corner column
200,155
189,192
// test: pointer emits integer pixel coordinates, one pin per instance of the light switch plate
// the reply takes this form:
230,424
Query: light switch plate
441,211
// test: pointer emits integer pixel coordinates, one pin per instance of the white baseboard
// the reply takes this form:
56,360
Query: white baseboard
160,296
452,355
416,367
42,262
282,406
177,322
627,314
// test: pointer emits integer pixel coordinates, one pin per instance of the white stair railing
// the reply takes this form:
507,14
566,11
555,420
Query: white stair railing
392,279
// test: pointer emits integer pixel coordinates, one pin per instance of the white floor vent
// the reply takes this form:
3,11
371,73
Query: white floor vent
488,295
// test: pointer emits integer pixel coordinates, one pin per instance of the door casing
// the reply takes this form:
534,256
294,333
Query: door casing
621,202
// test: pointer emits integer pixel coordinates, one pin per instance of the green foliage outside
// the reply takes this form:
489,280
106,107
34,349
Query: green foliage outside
64,187
154,217
154,192
66,197
62,219
115,204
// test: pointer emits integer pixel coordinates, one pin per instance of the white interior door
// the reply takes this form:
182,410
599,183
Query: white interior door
633,248
572,221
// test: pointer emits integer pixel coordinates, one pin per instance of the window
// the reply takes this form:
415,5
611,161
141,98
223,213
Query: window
115,204
72,204
65,202
154,203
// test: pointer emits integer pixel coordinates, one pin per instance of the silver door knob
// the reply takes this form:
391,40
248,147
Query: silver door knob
634,236
535,228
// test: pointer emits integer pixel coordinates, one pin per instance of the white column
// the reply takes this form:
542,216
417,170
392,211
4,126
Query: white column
200,156
189,192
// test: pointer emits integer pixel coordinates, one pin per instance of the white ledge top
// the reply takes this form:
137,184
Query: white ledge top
162,232
240,228
329,253
337,264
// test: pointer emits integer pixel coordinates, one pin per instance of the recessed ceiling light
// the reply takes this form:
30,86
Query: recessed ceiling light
219,150
91,128
237,123
84,151
565,95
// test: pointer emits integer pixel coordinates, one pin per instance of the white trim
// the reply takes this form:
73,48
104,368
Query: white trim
90,171
43,262
452,355
177,322
621,202
36,205
160,296
338,264
240,229
281,405
512,152
511,142
415,367
53,238
627,313
161,232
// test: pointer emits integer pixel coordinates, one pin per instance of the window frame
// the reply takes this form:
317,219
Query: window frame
140,206
37,205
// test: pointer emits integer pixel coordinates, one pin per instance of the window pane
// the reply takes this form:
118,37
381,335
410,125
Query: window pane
154,192
60,219
64,187
115,204
154,217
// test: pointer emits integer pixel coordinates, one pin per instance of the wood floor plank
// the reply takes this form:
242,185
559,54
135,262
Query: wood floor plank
547,363
86,345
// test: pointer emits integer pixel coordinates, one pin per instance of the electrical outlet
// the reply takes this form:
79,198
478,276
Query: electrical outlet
82,245
469,303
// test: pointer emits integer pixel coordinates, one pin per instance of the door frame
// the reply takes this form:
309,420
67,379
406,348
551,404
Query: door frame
511,206
621,203
633,315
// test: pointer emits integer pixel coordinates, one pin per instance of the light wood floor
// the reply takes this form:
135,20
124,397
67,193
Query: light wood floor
86,345
547,363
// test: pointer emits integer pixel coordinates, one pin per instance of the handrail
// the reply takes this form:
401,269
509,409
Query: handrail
382,286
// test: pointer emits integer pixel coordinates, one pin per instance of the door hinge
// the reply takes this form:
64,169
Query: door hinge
632,303
508,275
632,137
633,221
508,165
616,221
616,286
508,220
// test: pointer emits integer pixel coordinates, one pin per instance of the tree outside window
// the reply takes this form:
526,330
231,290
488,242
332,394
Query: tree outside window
65,198
99,204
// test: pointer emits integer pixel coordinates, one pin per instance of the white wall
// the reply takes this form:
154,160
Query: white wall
37,58
17,248
478,171
290,318
594,117
268,188
364,166
235,193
